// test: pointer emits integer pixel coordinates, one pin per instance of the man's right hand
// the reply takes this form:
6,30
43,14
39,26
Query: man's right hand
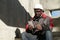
30,27
39,27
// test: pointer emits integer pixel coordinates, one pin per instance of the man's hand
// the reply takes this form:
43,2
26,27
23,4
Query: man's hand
39,27
30,27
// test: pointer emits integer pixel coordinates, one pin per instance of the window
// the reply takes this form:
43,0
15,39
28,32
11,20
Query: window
55,13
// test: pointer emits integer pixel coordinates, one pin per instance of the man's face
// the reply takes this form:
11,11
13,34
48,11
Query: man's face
38,12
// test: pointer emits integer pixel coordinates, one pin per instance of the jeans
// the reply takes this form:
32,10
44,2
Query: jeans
49,35
28,36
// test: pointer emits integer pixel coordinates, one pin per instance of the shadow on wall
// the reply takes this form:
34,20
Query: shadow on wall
56,22
13,13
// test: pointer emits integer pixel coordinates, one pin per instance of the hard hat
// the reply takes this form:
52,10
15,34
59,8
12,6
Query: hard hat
38,6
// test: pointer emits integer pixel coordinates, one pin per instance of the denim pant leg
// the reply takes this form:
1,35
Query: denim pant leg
28,36
49,35
23,36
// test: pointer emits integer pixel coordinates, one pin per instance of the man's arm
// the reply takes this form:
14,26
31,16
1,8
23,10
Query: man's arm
49,22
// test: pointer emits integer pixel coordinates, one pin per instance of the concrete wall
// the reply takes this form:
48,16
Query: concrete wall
50,4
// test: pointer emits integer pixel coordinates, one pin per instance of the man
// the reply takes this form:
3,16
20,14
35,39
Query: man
44,21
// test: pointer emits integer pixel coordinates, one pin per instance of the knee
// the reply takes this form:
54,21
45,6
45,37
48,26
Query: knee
23,34
49,33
